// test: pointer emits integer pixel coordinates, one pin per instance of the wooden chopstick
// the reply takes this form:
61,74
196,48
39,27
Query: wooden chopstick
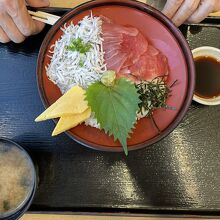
44,17
52,19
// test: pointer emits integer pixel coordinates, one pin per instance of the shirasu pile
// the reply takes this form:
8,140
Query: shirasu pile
65,69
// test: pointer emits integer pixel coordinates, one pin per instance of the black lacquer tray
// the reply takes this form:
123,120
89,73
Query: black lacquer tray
178,175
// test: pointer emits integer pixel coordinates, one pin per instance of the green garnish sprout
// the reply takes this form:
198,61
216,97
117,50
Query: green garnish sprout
81,63
79,45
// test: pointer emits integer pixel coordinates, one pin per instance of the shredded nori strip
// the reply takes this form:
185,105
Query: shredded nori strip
153,95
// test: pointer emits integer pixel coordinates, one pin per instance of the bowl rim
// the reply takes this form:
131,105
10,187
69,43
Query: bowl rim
174,31
209,51
23,207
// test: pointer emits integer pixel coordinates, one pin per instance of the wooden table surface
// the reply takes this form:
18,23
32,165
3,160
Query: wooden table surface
92,217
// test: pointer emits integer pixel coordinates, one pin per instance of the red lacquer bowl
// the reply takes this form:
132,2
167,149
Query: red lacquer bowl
160,31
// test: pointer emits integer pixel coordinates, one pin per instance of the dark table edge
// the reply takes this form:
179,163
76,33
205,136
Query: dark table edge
133,211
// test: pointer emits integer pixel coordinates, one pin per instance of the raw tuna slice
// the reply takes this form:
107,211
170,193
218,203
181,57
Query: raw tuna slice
149,67
128,76
152,51
122,45
134,47
109,29
116,64
128,52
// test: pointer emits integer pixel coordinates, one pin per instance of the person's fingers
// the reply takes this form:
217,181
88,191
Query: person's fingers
171,7
185,11
10,29
205,8
3,36
38,3
38,27
217,6
23,20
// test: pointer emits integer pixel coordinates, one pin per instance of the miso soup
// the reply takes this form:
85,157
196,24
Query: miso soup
16,178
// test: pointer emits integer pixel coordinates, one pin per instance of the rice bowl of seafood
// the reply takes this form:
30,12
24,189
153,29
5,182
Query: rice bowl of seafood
115,82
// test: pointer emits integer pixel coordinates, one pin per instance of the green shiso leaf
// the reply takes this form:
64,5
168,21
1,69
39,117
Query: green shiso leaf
115,107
